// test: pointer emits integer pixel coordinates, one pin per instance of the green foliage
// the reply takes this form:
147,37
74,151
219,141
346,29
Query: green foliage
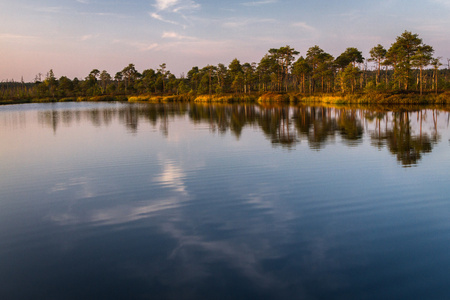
350,56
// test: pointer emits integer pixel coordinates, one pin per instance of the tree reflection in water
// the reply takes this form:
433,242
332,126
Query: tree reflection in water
400,130
316,124
403,140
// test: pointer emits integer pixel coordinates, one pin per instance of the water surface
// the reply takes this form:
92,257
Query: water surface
177,201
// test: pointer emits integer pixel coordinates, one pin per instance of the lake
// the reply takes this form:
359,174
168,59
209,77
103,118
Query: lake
186,201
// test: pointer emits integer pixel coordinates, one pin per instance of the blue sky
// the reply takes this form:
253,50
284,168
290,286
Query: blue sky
72,37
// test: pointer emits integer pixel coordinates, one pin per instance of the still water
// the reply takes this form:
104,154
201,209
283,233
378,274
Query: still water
137,201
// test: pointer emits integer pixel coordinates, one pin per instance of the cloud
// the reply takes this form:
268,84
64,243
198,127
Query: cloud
170,10
304,26
171,35
165,4
195,47
174,35
176,5
9,36
83,1
51,9
88,37
160,18
103,14
246,22
188,5
308,32
140,46
146,47
259,3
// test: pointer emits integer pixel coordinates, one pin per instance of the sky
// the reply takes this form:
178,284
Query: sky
73,37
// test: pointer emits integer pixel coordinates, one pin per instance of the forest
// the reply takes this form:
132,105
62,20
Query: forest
408,68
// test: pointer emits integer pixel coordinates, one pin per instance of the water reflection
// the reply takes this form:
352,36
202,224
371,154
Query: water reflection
402,138
165,208
408,133
317,125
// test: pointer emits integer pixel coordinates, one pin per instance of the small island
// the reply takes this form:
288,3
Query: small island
405,73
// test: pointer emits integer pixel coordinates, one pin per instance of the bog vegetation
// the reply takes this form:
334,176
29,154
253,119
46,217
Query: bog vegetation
405,72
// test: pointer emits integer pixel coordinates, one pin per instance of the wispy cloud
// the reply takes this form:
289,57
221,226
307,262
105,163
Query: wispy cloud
303,26
9,36
140,46
351,15
162,19
259,3
176,5
246,22
88,37
196,47
187,5
174,11
146,47
184,44
165,4
49,9
83,1
104,14
174,35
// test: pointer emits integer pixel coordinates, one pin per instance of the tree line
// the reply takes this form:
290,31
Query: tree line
407,65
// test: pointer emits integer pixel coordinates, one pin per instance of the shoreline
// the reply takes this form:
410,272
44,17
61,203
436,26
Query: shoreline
372,98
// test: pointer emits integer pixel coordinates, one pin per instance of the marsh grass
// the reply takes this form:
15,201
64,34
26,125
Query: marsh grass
366,98
232,98
159,99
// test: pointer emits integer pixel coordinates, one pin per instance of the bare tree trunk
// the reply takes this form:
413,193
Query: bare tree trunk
421,76
436,81
387,77
210,81
303,83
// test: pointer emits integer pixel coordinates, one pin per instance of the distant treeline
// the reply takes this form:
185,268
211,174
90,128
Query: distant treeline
408,65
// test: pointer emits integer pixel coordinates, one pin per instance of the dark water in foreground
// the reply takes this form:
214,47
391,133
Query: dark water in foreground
120,201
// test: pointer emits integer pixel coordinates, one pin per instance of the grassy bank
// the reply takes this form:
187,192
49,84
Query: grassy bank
362,98
160,99
234,98
369,98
